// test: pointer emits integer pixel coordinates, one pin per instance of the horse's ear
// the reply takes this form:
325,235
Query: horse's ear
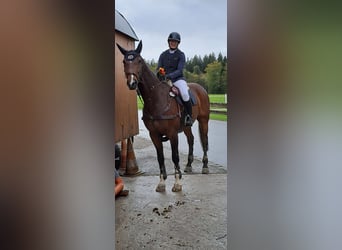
122,50
139,48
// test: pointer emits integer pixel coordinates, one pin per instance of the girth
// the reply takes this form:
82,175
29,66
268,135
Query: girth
147,116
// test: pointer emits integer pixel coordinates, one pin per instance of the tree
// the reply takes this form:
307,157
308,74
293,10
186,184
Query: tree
209,72
224,60
197,70
197,61
189,65
215,79
220,57
197,78
223,77
212,58
205,61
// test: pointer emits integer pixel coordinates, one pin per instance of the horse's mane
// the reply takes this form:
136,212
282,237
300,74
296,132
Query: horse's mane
154,92
150,72
153,79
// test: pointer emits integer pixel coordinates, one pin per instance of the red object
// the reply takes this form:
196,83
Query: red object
162,71
119,185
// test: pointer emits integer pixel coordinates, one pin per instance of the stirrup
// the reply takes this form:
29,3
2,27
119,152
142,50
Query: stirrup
188,121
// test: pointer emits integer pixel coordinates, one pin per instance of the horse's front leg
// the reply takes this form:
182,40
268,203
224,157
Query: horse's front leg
156,139
177,187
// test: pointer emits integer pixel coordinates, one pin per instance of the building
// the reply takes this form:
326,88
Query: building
126,110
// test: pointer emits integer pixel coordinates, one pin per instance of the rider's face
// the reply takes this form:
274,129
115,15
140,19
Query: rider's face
173,44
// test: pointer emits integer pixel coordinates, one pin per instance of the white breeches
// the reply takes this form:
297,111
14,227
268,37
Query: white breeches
183,88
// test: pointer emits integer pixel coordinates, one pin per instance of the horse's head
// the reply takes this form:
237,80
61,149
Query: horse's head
132,65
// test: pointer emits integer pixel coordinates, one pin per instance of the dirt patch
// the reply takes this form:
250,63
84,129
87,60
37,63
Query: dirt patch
166,210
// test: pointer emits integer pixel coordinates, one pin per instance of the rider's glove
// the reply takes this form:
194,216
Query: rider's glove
161,74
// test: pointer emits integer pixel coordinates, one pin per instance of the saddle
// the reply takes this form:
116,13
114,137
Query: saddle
174,92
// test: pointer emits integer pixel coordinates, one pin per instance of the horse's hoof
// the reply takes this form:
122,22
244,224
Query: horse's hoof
177,188
188,169
160,188
205,170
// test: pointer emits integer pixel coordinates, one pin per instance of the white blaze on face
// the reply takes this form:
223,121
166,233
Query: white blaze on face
132,79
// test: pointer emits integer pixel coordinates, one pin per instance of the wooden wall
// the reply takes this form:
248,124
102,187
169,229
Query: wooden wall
126,110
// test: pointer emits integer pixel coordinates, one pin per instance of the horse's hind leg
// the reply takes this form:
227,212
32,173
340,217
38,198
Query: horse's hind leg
160,155
190,138
203,130
175,159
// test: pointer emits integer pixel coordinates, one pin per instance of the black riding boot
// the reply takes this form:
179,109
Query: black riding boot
188,113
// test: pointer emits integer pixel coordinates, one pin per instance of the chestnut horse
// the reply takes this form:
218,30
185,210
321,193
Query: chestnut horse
162,114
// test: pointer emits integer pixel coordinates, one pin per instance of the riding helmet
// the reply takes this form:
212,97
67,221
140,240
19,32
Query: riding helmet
174,36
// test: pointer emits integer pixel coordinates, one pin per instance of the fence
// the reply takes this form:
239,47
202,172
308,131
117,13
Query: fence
218,108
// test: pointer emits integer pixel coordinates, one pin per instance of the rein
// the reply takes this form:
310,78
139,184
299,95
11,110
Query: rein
152,88
139,95
148,116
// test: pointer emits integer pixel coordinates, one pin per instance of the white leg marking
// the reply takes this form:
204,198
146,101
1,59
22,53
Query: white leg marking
162,181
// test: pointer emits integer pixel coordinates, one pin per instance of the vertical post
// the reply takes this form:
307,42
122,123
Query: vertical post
122,168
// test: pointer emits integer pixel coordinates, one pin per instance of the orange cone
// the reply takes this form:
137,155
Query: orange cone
131,164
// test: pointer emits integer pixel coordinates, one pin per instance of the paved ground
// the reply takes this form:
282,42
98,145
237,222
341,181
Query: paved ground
146,157
195,218
217,137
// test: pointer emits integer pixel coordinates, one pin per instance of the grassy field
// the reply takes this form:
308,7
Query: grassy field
214,98
217,98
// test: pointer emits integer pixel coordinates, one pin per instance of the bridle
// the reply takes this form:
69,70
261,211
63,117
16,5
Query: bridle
134,78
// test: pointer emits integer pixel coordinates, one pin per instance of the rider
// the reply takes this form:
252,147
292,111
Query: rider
173,61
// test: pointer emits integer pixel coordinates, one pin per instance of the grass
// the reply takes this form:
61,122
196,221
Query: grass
217,98
140,105
214,98
218,117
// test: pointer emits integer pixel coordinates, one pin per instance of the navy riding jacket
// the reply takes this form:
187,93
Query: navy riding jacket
173,63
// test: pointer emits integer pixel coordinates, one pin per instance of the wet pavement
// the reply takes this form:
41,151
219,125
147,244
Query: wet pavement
217,140
195,218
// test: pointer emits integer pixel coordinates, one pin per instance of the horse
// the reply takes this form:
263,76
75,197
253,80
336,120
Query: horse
162,114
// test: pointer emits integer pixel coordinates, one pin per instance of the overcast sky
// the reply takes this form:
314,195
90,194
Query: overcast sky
202,25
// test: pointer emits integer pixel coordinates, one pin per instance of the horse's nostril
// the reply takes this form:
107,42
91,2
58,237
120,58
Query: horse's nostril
131,82
132,85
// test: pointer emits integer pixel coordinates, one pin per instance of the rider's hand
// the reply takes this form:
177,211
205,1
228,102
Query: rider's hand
161,71
161,77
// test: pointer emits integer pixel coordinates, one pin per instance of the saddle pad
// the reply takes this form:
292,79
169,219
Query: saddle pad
192,99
